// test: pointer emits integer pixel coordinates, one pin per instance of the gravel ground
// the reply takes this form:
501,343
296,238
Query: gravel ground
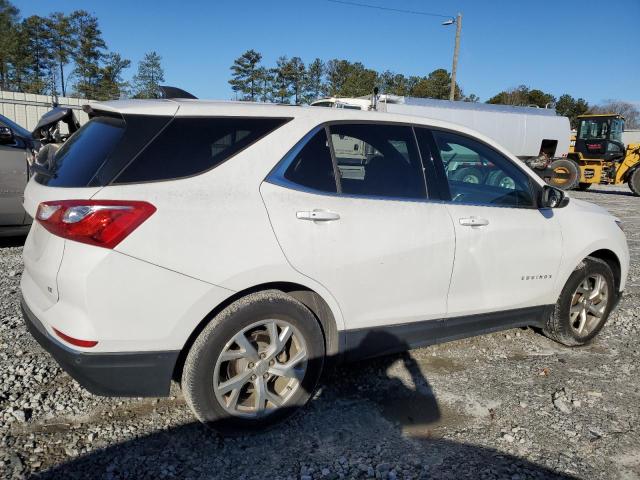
508,405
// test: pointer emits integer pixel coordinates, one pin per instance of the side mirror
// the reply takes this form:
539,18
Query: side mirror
6,135
552,197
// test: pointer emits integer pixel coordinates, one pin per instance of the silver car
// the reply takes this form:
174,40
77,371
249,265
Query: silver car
16,148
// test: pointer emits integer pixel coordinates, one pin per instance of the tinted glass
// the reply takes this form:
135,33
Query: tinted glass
434,184
478,174
312,167
378,160
189,146
140,130
84,152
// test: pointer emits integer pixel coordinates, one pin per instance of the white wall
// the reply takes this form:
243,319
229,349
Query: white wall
631,136
26,108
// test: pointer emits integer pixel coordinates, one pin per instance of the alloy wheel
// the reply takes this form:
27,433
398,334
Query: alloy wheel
260,369
589,304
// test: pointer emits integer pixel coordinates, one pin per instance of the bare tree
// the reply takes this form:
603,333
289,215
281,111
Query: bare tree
628,110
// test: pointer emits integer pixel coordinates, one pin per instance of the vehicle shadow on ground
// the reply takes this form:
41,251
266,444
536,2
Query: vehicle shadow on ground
341,429
13,241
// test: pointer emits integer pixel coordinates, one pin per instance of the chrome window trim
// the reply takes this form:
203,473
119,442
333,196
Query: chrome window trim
276,176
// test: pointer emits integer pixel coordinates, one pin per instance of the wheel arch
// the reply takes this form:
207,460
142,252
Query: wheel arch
310,298
626,176
611,259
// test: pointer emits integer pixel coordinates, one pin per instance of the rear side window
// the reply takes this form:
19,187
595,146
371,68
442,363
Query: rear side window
84,153
312,167
378,160
189,146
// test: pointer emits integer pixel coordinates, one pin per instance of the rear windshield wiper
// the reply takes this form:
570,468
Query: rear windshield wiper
43,171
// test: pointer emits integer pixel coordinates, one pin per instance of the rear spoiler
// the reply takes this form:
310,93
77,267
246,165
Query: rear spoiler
164,92
168,92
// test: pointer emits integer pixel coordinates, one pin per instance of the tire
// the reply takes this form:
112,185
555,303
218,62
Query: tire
561,325
566,167
205,371
584,186
500,179
634,182
468,175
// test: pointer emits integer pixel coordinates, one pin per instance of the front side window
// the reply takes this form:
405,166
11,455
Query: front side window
378,160
477,174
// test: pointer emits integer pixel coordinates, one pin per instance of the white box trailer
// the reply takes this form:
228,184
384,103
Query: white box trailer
524,131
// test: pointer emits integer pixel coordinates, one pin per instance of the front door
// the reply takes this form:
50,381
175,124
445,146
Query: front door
371,238
507,250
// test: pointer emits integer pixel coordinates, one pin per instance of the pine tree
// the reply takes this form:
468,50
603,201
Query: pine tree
297,75
568,106
9,16
393,83
38,48
111,86
63,43
88,54
19,61
265,84
436,85
337,73
149,76
282,80
246,74
314,86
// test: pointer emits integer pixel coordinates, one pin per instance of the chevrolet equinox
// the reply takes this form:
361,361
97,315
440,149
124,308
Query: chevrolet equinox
238,248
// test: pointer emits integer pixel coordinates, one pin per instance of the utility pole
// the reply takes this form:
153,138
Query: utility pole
452,91
450,21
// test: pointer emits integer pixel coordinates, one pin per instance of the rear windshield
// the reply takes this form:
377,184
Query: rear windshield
146,148
84,152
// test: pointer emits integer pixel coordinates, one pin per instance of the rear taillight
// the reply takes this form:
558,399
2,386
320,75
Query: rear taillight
103,223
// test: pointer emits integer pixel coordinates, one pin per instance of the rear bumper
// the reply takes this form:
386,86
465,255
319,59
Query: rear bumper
127,374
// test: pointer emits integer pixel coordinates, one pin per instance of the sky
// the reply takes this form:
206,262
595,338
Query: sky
586,48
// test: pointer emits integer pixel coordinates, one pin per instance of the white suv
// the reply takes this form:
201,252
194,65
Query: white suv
235,248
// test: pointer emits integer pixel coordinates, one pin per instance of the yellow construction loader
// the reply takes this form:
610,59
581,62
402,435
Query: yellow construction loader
598,156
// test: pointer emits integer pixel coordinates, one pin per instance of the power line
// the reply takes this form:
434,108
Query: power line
389,9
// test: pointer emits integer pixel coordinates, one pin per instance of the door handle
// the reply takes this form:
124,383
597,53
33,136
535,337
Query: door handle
474,222
318,215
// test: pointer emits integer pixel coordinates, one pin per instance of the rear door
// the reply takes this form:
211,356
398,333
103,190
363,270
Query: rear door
360,223
507,250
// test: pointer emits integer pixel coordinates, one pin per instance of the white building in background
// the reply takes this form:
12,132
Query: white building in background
631,136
